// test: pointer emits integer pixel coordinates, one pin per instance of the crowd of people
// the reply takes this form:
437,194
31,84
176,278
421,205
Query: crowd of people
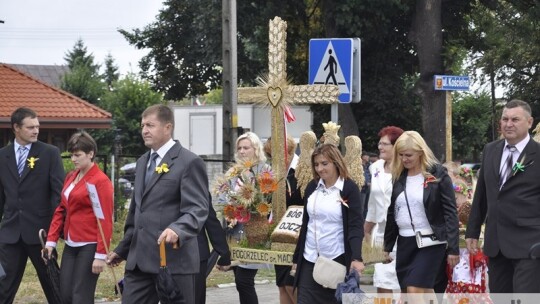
408,208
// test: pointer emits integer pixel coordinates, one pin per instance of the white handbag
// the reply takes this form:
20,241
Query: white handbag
328,272
428,239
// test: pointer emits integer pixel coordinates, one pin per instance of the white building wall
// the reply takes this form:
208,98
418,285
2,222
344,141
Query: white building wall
255,118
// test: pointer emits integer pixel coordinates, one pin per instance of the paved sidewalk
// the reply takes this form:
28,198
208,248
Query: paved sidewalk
267,291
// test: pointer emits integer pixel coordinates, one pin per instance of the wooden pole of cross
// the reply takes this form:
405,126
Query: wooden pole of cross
276,91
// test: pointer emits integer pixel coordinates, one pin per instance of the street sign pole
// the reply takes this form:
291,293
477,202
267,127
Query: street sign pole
448,126
448,84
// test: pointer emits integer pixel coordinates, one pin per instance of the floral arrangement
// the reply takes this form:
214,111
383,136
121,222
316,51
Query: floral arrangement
460,187
466,173
247,190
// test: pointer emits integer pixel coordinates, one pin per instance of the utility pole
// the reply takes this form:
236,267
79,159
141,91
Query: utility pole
230,80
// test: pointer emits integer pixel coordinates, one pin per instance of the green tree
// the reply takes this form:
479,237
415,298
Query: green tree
83,79
504,39
126,103
111,73
470,122
79,55
82,82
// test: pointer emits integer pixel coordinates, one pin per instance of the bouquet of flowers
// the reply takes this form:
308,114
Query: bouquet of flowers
247,188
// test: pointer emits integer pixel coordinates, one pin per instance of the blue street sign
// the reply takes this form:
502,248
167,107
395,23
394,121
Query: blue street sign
451,83
336,61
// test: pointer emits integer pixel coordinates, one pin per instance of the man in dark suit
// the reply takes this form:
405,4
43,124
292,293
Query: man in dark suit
507,199
213,231
169,204
30,183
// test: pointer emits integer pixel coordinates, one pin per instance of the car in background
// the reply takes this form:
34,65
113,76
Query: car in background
126,187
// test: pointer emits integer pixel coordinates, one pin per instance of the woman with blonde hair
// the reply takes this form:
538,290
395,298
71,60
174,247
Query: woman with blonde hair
248,148
422,202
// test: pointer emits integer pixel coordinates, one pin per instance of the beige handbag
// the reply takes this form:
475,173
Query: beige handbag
326,271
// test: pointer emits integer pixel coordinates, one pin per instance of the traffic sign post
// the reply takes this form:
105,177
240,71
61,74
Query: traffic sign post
450,83
336,61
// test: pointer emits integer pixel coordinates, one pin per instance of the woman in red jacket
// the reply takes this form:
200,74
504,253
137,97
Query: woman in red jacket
83,258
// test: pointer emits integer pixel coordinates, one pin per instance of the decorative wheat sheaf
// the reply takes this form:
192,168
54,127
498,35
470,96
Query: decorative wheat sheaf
277,51
310,94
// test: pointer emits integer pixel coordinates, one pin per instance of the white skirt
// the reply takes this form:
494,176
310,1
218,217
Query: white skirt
384,275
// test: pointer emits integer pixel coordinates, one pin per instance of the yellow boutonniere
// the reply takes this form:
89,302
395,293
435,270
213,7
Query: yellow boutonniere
164,168
32,162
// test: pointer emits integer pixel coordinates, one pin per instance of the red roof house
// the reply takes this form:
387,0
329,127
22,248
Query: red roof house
60,113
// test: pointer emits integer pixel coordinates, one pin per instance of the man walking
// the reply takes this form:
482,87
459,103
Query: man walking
170,204
507,199
30,183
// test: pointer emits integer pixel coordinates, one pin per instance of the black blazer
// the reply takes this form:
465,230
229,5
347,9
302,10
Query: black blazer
27,203
440,206
213,231
511,214
353,225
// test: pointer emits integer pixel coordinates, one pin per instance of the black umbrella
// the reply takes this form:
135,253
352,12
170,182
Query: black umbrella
168,291
212,260
534,252
53,270
2,272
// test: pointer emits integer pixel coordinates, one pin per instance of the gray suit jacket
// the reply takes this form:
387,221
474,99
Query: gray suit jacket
177,199
27,203
512,214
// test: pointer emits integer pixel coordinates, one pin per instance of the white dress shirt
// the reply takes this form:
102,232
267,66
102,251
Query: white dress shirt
325,227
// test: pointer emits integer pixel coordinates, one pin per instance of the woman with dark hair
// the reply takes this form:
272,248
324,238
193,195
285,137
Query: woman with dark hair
332,225
84,254
422,202
384,277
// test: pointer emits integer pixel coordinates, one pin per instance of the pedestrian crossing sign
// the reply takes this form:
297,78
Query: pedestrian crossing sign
336,61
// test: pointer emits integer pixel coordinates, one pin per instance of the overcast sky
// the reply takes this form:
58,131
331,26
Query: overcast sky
42,31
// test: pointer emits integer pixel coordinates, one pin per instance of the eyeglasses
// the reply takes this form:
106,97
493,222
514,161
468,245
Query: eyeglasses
384,144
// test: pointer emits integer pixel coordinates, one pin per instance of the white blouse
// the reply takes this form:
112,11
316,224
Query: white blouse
415,196
379,195
325,222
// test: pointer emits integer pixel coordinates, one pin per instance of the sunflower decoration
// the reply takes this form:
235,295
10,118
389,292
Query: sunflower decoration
247,188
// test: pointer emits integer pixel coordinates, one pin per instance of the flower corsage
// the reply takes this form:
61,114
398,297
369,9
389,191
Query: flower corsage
32,162
520,167
164,168
429,179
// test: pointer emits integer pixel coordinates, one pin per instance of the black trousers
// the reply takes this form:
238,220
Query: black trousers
245,285
13,258
200,284
513,275
77,282
140,287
